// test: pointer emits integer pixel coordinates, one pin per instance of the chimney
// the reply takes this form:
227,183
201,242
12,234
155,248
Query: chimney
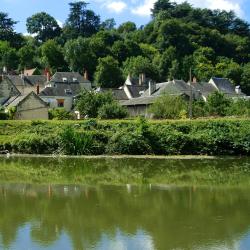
143,78
37,89
86,77
194,79
238,90
151,87
140,79
48,76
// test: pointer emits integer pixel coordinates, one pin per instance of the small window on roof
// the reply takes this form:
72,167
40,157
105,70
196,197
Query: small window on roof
74,79
65,79
68,91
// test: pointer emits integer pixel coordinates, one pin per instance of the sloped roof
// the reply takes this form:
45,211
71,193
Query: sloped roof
136,89
60,90
14,102
119,94
28,80
205,88
58,77
224,85
140,101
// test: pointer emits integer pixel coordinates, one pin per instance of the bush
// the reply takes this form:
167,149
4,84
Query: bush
60,114
112,111
239,107
169,107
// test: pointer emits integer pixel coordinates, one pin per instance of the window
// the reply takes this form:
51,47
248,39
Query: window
65,79
68,92
74,79
60,103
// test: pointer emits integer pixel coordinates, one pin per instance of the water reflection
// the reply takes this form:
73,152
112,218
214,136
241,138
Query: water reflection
112,217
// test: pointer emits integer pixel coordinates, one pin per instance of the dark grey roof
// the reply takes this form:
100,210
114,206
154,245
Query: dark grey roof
140,101
119,94
224,85
62,89
13,102
136,89
205,88
28,80
70,76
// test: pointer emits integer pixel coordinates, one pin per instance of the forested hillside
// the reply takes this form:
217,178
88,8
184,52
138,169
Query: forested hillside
179,37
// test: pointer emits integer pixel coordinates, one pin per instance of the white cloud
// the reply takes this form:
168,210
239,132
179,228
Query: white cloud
60,23
144,9
116,6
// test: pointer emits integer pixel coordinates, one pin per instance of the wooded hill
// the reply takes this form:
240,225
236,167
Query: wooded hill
179,37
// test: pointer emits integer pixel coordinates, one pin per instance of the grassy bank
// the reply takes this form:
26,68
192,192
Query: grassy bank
77,170
132,137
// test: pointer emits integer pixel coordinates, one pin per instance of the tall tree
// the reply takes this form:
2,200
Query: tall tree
8,56
44,26
81,21
108,74
162,5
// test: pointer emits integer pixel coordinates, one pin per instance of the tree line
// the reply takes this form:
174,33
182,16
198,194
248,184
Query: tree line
178,37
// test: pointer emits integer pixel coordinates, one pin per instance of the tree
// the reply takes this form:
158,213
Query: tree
26,56
108,74
127,27
79,56
137,65
108,24
169,107
8,56
7,32
112,111
81,21
52,55
245,82
44,26
218,103
162,5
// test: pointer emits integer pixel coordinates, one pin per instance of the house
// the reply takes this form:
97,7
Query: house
140,106
62,88
27,107
31,72
26,84
7,89
118,94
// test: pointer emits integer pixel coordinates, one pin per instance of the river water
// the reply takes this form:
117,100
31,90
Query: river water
119,217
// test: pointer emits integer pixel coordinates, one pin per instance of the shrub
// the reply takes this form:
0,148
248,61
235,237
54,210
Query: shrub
239,107
60,114
112,111
169,107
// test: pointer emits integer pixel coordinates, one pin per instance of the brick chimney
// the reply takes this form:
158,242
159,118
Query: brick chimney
86,77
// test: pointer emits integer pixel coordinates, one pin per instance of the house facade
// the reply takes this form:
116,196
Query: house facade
27,107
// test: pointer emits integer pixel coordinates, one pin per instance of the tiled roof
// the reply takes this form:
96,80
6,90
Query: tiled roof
28,80
70,76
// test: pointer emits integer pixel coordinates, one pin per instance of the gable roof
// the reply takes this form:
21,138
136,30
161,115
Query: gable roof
61,90
224,85
135,90
58,77
140,101
16,101
119,94
29,81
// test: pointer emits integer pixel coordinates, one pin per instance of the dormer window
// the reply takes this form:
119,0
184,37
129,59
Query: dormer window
68,91
74,79
65,79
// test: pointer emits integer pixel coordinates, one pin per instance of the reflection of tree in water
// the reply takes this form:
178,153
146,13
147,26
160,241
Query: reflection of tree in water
175,218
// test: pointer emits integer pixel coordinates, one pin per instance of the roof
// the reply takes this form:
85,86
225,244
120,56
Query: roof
224,85
135,90
205,88
15,101
140,101
28,80
70,76
61,89
119,94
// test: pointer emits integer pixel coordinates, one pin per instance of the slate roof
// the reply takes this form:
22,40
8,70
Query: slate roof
205,88
28,80
60,90
119,94
136,89
58,77
139,101
15,101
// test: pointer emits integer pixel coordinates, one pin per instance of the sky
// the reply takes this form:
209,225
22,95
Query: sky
137,11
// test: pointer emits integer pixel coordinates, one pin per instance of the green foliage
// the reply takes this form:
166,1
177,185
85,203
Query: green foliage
217,104
60,114
239,107
112,111
44,26
169,107
108,74
8,56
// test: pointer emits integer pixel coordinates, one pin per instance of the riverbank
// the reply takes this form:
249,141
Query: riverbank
226,172
127,137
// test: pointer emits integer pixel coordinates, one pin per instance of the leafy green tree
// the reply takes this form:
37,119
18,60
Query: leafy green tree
8,56
44,26
79,55
7,32
108,74
137,65
108,24
245,82
162,5
218,103
169,107
27,56
81,21
112,111
239,107
127,27
52,55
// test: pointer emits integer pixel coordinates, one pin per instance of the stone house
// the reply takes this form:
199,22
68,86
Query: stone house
27,107
62,88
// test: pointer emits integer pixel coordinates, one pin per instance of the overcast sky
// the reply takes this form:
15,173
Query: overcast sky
137,11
